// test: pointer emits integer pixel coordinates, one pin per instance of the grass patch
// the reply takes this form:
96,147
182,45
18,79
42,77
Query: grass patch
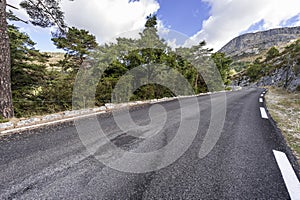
296,148
284,108
3,120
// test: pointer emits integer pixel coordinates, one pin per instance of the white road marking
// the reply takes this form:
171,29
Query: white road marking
262,95
263,113
261,100
290,179
47,123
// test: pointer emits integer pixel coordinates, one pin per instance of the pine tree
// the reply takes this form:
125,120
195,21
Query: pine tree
223,64
28,73
44,13
77,44
6,106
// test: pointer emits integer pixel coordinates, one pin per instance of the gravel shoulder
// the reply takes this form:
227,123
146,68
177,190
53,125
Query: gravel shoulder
284,108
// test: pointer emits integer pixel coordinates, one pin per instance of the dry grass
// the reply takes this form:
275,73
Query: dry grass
285,110
55,57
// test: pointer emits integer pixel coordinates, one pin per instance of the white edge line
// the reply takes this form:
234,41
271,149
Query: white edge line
261,100
48,123
263,113
262,95
290,179
5,132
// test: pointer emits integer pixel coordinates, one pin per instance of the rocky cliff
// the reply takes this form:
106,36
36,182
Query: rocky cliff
281,70
287,77
255,43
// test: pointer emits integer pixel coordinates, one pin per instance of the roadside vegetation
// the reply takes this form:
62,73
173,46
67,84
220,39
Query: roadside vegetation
274,59
42,83
269,61
285,110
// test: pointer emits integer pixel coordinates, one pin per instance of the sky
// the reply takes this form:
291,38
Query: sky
215,21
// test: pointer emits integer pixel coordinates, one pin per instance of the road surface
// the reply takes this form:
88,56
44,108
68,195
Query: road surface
53,163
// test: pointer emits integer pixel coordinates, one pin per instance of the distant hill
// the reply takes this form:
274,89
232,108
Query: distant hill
281,69
251,45
55,57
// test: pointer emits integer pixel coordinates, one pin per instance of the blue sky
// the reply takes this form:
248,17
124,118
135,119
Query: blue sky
183,16
216,21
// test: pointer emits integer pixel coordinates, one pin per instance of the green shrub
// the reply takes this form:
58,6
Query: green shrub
254,71
272,53
3,120
228,88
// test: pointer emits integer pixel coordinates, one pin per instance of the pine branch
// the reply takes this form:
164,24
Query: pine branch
12,17
12,6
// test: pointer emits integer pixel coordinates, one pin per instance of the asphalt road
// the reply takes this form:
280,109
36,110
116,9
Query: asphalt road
53,163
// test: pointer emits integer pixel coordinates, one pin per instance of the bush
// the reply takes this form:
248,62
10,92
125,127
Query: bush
3,120
228,88
272,53
254,71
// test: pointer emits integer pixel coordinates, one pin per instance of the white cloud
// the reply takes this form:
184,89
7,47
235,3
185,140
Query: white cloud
21,13
108,18
298,21
229,18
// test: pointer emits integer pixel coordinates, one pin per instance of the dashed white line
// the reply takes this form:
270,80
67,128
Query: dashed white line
262,95
263,113
290,179
261,100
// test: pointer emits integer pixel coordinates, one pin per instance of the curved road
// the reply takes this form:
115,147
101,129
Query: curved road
52,162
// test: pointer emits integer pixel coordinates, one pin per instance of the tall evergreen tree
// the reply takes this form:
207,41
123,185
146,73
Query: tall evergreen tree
44,13
77,44
6,106
28,72
223,64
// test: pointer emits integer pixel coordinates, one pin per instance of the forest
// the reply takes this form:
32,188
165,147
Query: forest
146,68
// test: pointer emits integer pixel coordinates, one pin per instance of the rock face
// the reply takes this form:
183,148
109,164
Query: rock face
287,77
254,43
242,81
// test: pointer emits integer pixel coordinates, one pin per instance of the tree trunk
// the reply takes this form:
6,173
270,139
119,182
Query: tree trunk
6,107
196,83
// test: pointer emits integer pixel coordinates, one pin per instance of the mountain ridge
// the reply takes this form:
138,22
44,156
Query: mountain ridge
251,44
